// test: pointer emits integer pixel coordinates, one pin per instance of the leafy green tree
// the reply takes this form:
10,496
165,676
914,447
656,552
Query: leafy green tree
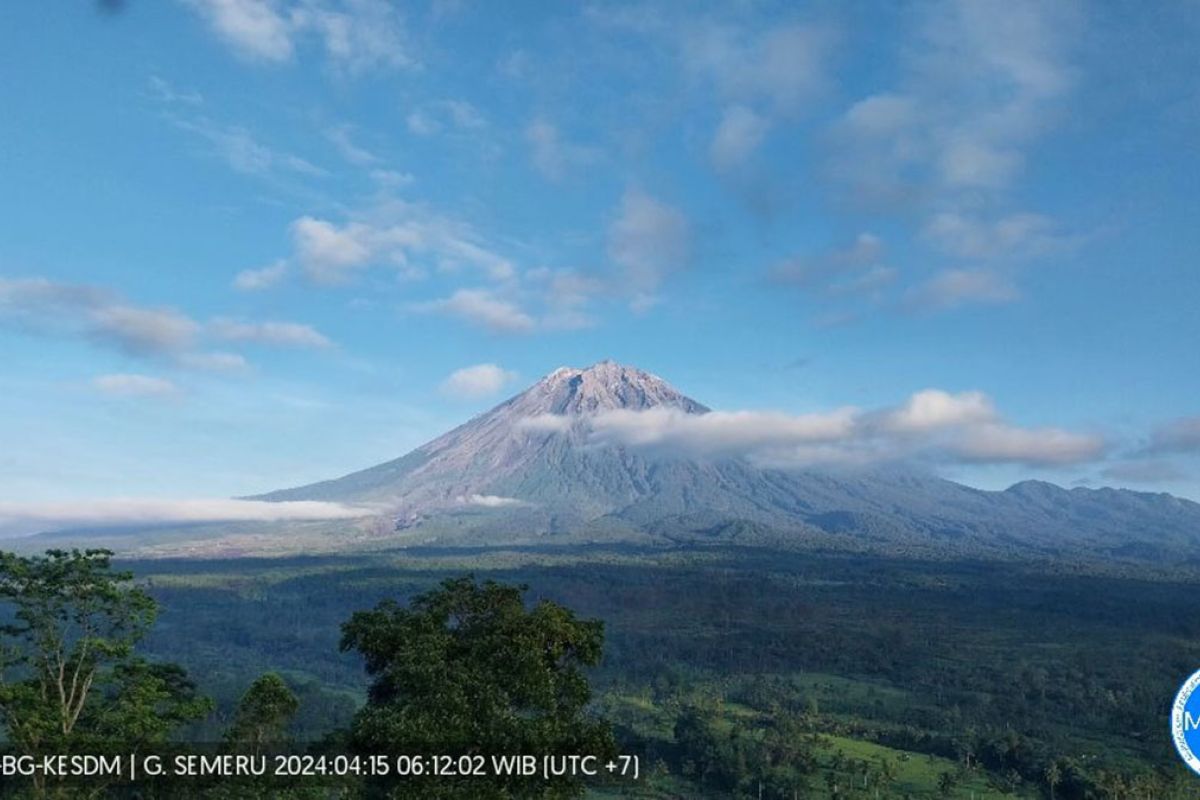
1052,776
74,618
263,715
69,678
467,668
142,705
946,784
261,722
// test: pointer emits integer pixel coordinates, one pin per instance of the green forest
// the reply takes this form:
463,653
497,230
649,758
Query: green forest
727,672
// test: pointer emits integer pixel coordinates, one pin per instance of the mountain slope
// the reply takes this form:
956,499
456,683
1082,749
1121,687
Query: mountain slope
530,442
528,468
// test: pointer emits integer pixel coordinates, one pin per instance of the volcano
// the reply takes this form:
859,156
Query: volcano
529,470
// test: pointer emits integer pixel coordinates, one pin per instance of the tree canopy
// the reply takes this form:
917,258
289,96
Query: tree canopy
69,678
468,668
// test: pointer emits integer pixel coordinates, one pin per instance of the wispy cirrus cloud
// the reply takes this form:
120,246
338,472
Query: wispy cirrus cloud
253,280
132,385
433,118
356,35
738,135
243,152
242,149
756,76
982,84
1016,236
403,236
342,138
953,288
44,307
283,334
988,79
479,380
552,154
484,308
854,275
648,239
48,307
1181,435
856,266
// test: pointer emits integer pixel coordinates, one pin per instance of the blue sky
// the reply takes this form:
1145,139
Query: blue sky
248,244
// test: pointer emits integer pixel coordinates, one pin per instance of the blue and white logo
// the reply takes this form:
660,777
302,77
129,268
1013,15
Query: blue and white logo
1185,722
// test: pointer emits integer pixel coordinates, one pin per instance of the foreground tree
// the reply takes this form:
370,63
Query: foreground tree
263,715
469,670
69,678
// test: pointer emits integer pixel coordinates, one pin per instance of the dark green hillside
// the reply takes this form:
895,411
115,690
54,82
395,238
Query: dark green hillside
895,672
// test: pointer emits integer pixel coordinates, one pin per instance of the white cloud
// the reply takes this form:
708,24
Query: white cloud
853,275
491,501
285,334
484,308
130,385
462,113
1144,471
480,380
253,28
552,156
648,239
981,84
432,118
566,295
515,65
243,152
1177,436
398,234
392,179
422,124
161,334
49,307
781,67
931,425
738,135
356,35
341,138
23,518
870,282
882,115
998,443
984,83
932,409
253,280
167,93
952,288
1016,236
142,331
837,267
330,253
760,75
226,363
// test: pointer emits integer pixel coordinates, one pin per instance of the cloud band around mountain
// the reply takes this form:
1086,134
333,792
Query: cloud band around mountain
931,425
24,518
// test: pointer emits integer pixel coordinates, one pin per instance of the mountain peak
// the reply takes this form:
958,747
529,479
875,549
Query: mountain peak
604,386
